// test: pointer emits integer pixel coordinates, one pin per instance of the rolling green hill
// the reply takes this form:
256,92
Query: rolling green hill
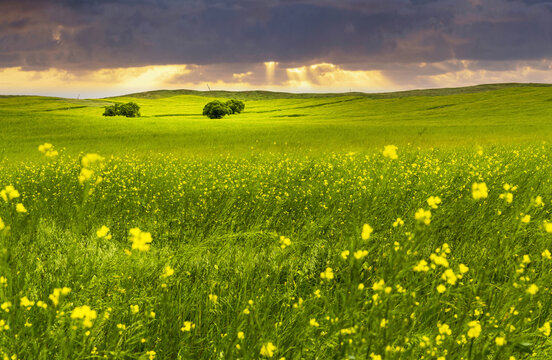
279,122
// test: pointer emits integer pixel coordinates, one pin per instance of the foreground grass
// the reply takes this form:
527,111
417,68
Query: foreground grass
268,256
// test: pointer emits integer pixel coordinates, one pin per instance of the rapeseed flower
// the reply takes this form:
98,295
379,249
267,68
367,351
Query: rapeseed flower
103,233
327,274
532,289
268,349
188,326
86,314
390,151
167,271
360,254
474,329
421,266
9,193
545,329
48,150
479,191
423,216
434,202
20,208
313,322
140,240
366,231
284,242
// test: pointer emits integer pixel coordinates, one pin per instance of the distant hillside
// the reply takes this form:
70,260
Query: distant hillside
267,95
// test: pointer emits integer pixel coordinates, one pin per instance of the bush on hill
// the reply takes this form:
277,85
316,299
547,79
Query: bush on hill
217,109
129,109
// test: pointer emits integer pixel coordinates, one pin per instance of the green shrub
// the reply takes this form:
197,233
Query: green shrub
236,106
129,109
216,110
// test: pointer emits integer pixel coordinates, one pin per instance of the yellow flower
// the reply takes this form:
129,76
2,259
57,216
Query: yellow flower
398,222
241,335
444,329
423,216
150,354
268,349
379,286
9,193
526,259
48,150
360,286
441,288
20,208
102,233
25,302
545,329
375,357
327,274
532,289
90,160
474,329
538,201
546,254
140,240
188,326
548,227
500,341
134,309
2,226
360,254
421,266
463,268
213,298
390,151
345,254
439,260
313,322
525,219
167,271
434,201
449,276
479,191
383,323
366,231
284,242
86,314
6,306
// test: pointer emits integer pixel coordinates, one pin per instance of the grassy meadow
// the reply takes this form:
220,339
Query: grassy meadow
412,225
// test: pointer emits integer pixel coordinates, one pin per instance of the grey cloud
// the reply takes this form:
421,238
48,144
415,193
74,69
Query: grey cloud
90,34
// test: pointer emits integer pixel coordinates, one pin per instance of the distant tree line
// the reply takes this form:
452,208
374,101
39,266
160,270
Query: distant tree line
129,109
217,109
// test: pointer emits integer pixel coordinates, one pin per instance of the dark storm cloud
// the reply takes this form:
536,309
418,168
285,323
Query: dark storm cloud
90,34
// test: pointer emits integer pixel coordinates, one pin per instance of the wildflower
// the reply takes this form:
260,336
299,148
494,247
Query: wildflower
463,268
500,341
360,286
103,233
375,357
360,254
390,151
6,306
538,201
150,354
48,150
474,329
268,349
444,329
434,201
140,240
545,329
526,259
20,208
188,326
167,271
327,274
423,216
449,276
313,322
508,197
134,309
398,222
85,175
2,226
9,193
345,254
546,254
548,227
90,160
25,302
366,231
441,288
383,323
439,260
284,242
317,293
213,298
532,289
85,313
525,219
479,191
241,335
421,266
379,286
246,311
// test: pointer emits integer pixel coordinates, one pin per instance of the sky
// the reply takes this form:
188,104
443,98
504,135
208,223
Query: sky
97,48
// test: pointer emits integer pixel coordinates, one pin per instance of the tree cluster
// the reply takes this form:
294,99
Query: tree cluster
217,109
129,109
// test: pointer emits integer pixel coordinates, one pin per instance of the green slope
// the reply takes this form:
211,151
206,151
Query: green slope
488,114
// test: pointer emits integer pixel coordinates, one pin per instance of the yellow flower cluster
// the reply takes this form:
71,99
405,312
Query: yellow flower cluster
57,293
140,240
48,150
423,216
284,242
390,151
91,164
86,314
103,232
268,349
479,191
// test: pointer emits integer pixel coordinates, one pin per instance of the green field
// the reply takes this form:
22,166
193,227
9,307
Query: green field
282,232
